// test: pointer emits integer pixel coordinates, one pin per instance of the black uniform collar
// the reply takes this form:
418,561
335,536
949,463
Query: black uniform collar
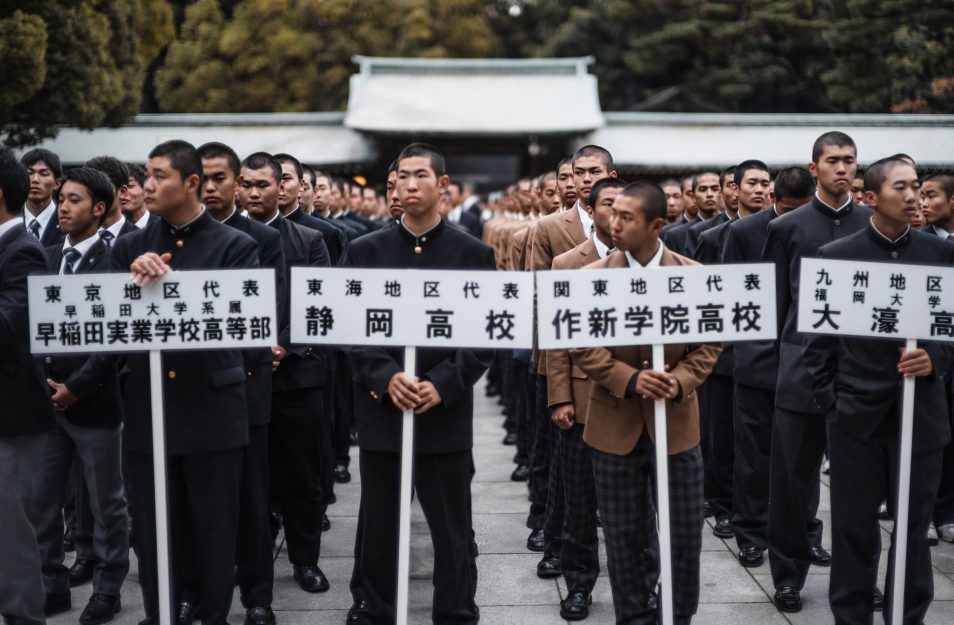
193,226
424,239
828,211
234,218
277,220
882,241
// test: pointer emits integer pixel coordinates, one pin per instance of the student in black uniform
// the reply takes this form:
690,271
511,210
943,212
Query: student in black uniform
442,397
855,381
203,391
45,171
798,429
755,371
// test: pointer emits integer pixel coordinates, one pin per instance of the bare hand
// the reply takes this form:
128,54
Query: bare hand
656,385
278,355
62,397
562,416
915,364
429,397
404,393
148,268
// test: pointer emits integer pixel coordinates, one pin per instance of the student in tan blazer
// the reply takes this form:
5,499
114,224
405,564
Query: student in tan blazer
619,429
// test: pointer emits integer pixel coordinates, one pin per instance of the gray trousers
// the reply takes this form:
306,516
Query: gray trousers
99,451
21,585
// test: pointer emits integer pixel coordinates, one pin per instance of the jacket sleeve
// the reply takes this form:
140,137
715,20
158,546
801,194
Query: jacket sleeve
14,304
605,370
693,369
775,252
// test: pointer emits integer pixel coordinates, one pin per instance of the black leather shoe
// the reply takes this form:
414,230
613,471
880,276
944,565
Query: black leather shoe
599,519
723,529
536,541
274,524
188,612
354,611
353,439
57,603
707,509
68,545
81,572
877,601
311,579
342,474
260,616
521,473
787,599
751,556
325,523
510,438
820,557
100,609
549,566
576,606
333,499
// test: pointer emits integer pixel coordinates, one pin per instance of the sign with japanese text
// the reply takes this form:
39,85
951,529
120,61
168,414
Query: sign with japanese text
873,299
185,310
639,306
407,307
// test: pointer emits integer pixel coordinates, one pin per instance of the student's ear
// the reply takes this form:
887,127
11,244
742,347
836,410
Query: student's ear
871,198
192,184
613,174
98,209
443,182
813,169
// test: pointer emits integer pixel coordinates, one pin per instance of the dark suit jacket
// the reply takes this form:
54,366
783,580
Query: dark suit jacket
258,361
51,235
855,380
330,236
342,239
203,390
448,426
709,252
92,379
304,366
675,236
695,231
756,362
796,234
26,395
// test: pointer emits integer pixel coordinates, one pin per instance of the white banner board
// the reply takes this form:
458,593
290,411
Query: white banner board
641,306
871,299
83,313
407,307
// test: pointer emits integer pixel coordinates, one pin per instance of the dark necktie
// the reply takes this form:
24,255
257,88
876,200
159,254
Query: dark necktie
34,229
107,237
71,256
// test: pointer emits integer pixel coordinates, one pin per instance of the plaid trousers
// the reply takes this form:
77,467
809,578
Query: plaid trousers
624,487
580,557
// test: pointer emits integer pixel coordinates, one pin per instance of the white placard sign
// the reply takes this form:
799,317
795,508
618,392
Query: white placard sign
186,310
672,304
406,307
871,299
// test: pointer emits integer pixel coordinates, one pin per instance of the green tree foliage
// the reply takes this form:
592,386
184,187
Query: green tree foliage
78,63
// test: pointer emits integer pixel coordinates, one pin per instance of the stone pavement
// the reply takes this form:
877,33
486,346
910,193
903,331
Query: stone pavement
509,593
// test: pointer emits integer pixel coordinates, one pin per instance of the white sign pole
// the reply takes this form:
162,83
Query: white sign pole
407,464
662,493
159,480
904,494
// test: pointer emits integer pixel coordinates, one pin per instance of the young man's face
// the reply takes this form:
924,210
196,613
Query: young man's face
322,195
369,202
76,212
218,184
587,171
130,198
630,229
899,196
550,201
394,204
936,206
707,192
288,194
165,190
336,198
306,195
688,197
730,193
42,183
835,169
524,196
673,201
785,204
418,188
753,190
858,190
454,192
354,200
602,211
566,185
259,192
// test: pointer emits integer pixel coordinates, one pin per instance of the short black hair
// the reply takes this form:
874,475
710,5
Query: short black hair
595,150
36,155
746,166
283,158
340,184
183,157
833,137
214,149
878,172
264,160
427,151
601,185
670,182
794,182
310,172
137,173
115,170
321,173
945,181
904,157
566,160
14,181
98,185
392,166
727,172
454,183
708,172
652,196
